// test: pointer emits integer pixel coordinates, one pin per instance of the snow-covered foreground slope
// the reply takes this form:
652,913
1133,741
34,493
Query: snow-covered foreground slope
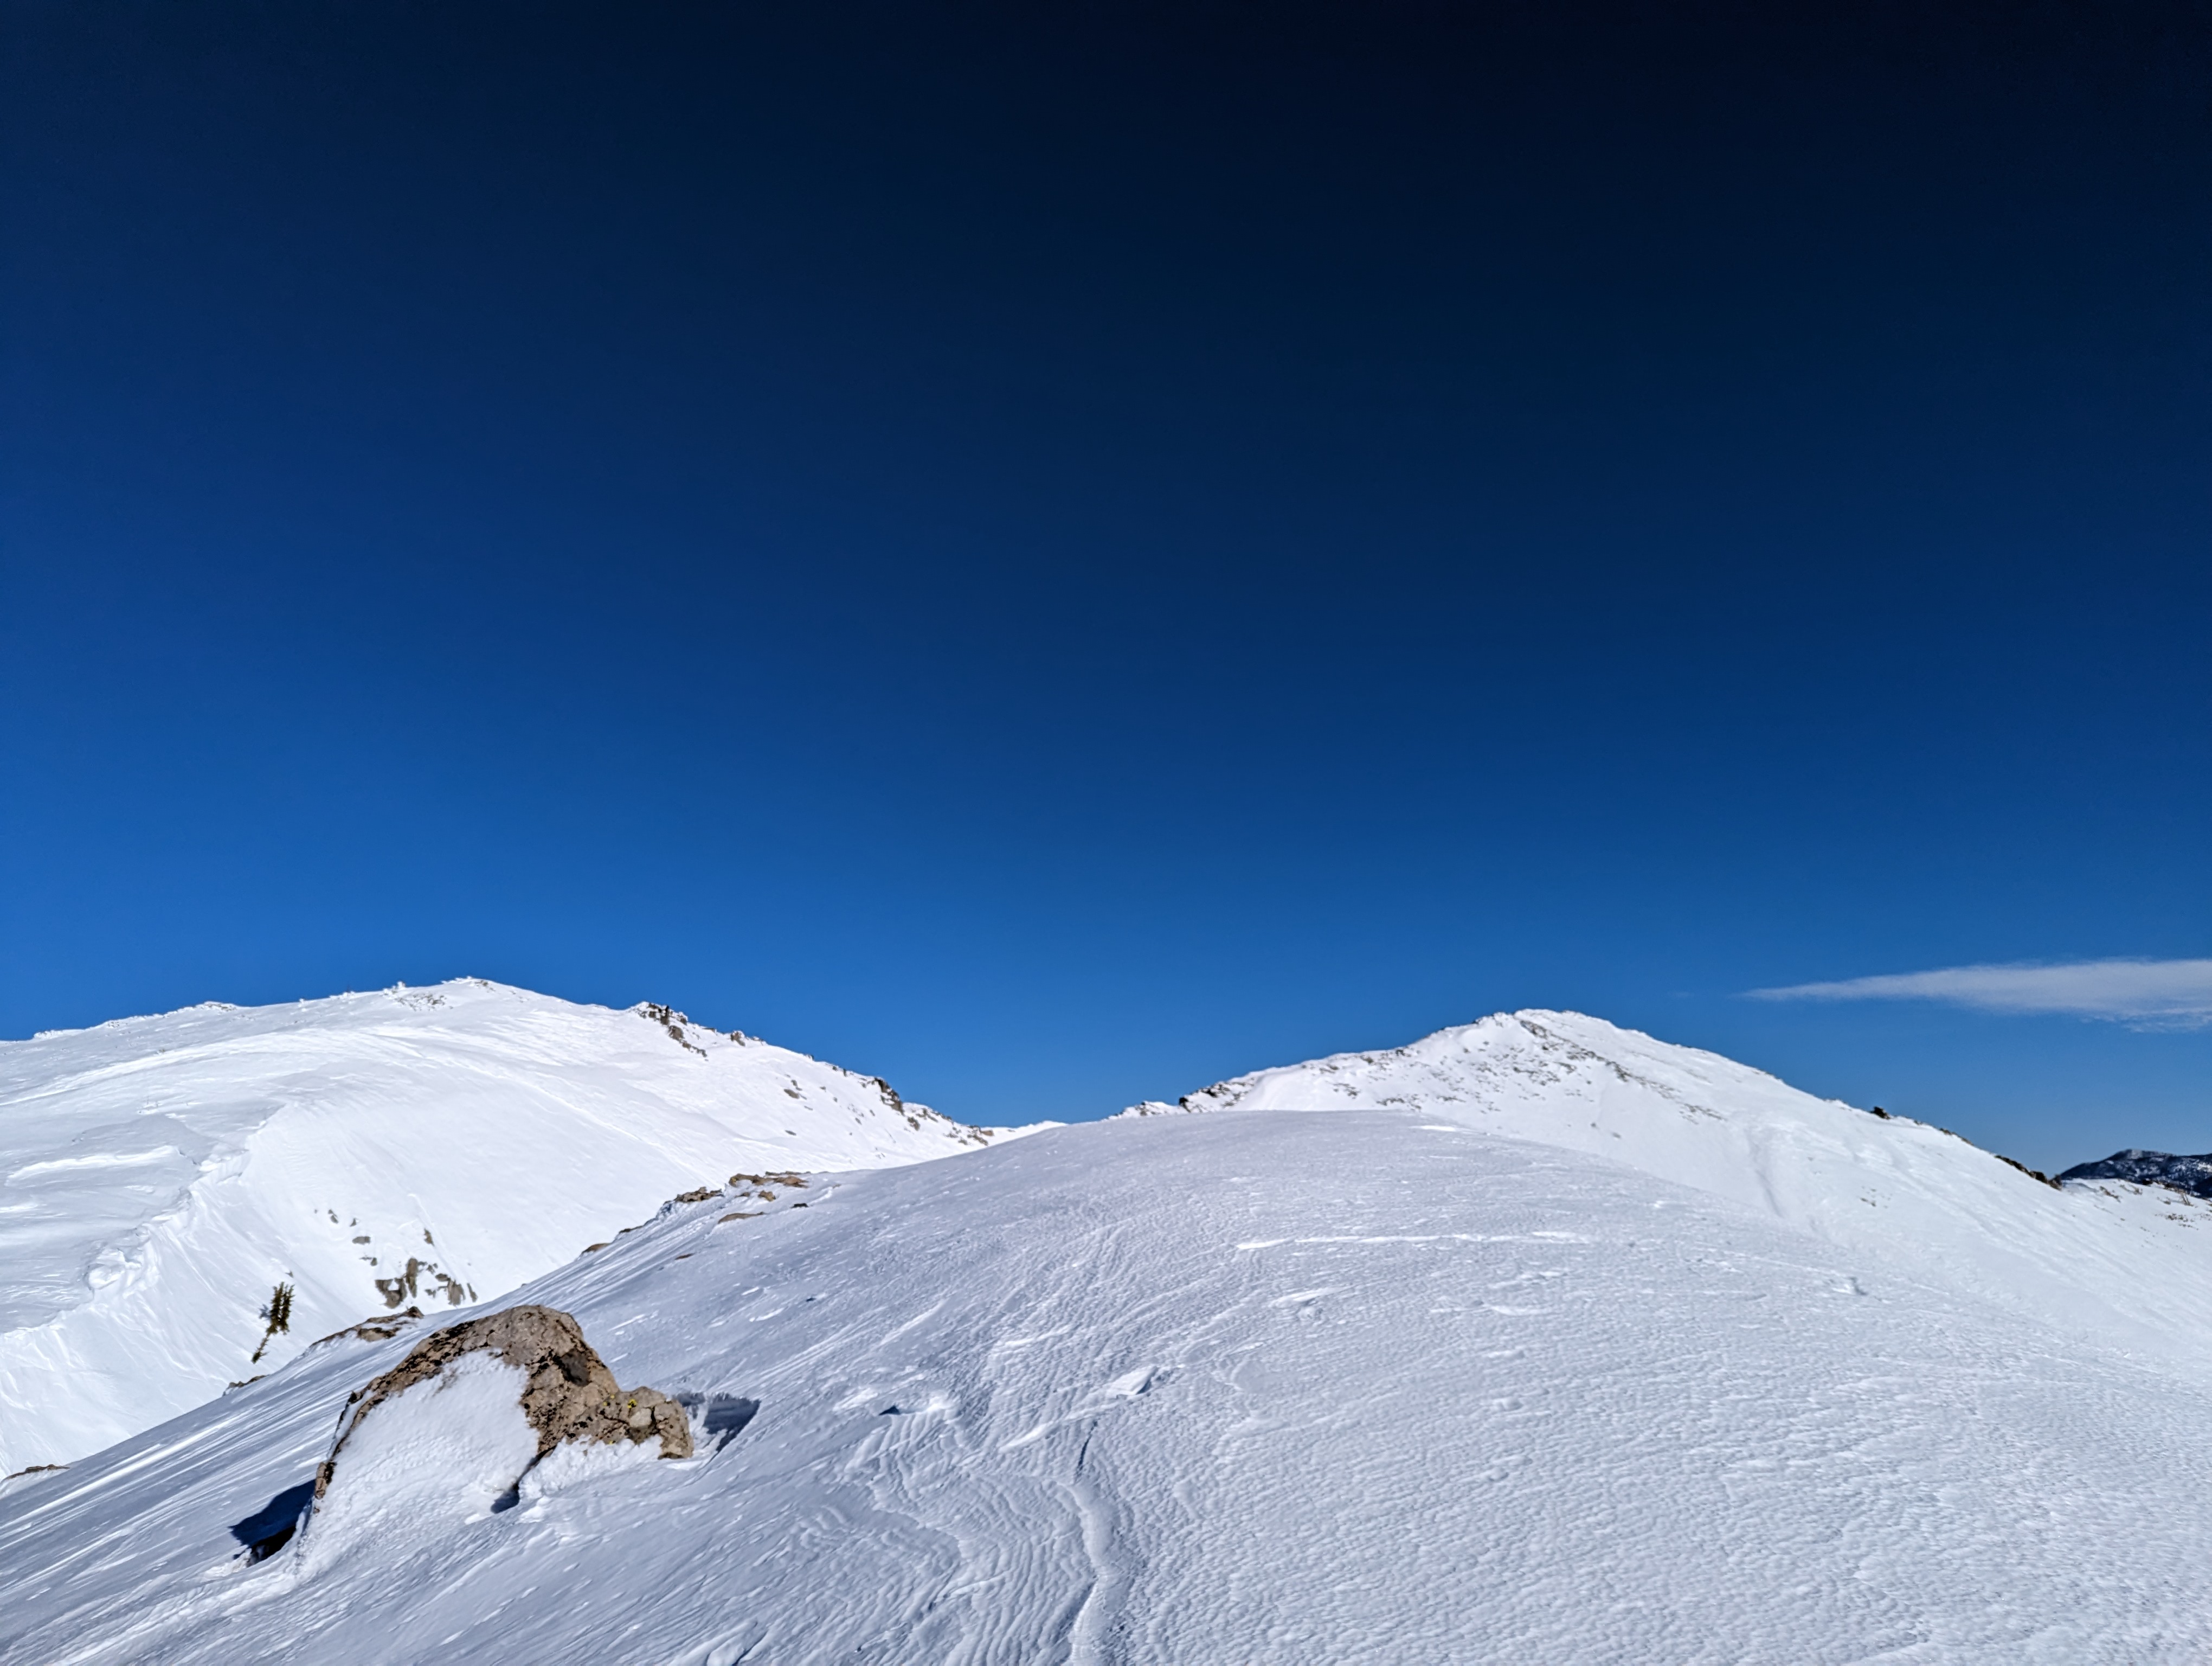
1237,1388
160,1176
2120,1265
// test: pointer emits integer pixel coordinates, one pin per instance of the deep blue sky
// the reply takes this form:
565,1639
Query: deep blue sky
1057,558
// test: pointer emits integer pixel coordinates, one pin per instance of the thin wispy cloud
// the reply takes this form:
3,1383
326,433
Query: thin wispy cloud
2148,994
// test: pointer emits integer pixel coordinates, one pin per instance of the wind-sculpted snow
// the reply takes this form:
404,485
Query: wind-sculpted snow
412,1148
2114,1265
1252,1388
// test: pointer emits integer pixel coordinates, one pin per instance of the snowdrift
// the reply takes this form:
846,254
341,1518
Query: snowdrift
424,1148
1259,1388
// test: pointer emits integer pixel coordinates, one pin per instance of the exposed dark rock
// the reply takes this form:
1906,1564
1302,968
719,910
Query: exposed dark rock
674,1022
375,1330
2015,1162
2193,1174
570,1394
407,1284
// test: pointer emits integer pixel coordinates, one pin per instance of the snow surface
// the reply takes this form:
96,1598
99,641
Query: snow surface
159,1176
1389,1385
442,1450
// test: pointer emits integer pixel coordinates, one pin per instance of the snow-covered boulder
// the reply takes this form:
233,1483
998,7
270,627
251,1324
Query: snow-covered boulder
449,1433
567,1393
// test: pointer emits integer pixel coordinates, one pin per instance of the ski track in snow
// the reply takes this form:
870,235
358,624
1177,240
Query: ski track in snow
1231,1389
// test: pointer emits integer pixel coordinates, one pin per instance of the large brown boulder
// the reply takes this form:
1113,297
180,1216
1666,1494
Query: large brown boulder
570,1394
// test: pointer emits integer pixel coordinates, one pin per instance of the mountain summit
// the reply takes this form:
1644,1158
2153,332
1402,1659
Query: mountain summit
2113,1263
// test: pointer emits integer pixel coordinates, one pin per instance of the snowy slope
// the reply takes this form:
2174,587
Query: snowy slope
159,1176
1246,1389
2121,1265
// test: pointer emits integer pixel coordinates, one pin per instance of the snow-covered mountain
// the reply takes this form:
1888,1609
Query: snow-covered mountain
160,1177
1552,1343
2116,1264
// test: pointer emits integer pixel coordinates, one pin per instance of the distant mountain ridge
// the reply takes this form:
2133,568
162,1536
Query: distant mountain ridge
2193,1174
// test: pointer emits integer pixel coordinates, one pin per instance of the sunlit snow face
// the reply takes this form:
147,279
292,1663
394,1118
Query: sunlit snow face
442,1452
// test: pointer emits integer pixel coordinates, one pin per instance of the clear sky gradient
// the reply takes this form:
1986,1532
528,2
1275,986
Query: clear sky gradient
1059,554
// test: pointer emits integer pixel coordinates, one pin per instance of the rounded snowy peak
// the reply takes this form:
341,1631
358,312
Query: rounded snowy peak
2113,1262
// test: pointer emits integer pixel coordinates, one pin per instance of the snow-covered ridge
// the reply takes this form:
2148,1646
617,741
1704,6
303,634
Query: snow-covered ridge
1261,1389
2128,1267
161,1176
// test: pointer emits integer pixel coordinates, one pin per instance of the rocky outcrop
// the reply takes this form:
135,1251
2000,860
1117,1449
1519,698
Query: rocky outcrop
570,1395
377,1329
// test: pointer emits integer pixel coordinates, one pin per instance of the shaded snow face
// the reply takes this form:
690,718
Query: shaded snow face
1260,1389
443,1452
